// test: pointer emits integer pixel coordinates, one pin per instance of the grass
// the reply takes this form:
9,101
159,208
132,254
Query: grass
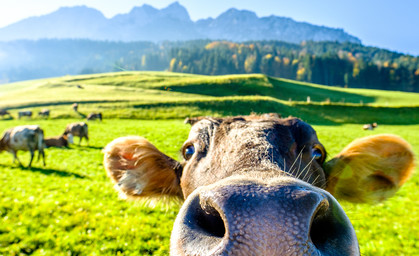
161,95
69,207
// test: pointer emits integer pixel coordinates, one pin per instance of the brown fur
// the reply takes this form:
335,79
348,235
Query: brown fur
57,141
75,106
140,170
94,116
370,169
44,113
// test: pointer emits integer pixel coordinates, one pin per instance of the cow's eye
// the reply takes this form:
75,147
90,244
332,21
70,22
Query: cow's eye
318,153
188,151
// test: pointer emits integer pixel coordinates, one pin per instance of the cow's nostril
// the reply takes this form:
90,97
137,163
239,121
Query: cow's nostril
210,221
320,225
330,228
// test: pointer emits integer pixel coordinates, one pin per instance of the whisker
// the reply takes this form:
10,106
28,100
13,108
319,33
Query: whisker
308,165
295,161
315,180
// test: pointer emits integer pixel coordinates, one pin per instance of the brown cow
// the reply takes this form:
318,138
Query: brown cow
27,138
75,107
258,186
59,141
44,112
78,129
94,116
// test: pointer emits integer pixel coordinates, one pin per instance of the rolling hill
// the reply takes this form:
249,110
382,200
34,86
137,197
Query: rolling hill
164,95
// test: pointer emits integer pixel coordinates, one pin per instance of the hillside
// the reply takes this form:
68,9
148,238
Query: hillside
146,23
162,95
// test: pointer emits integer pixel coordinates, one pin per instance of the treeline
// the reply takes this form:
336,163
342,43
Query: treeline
328,63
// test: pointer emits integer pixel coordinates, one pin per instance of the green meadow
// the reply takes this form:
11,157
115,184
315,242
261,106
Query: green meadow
69,207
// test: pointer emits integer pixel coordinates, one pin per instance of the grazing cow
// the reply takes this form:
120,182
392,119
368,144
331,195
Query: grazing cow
27,138
59,141
75,107
370,126
45,113
78,129
94,116
27,113
4,112
259,186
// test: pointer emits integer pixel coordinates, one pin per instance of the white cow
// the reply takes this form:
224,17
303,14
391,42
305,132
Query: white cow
27,138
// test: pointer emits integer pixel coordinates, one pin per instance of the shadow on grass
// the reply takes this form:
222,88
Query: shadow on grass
85,147
320,114
281,89
46,171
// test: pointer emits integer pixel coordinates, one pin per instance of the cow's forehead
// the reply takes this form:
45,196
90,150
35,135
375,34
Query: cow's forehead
207,128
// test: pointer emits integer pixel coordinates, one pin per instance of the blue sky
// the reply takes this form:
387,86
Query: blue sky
387,24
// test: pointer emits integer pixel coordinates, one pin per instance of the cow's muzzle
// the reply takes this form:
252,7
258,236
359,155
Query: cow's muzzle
245,217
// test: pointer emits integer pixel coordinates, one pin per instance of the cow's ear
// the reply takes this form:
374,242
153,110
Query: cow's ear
370,169
140,170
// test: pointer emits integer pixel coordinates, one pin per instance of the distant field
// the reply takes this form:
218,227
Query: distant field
160,95
69,207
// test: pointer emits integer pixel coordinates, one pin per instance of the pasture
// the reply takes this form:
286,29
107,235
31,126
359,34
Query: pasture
69,207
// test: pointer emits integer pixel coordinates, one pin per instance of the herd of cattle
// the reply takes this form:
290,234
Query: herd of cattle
46,113
31,138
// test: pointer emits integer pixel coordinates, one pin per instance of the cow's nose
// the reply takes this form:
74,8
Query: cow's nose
247,218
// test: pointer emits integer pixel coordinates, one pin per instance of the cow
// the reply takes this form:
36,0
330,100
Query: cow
27,138
4,112
370,126
59,141
260,186
94,116
27,113
78,129
75,107
44,112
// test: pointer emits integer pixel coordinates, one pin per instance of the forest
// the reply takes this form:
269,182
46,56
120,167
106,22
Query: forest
348,65
327,63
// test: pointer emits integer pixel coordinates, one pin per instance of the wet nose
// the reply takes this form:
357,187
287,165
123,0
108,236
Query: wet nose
248,218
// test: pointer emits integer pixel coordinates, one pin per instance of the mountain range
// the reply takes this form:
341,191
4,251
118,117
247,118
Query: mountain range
172,23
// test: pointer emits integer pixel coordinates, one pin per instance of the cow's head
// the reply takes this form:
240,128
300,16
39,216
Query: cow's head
258,186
